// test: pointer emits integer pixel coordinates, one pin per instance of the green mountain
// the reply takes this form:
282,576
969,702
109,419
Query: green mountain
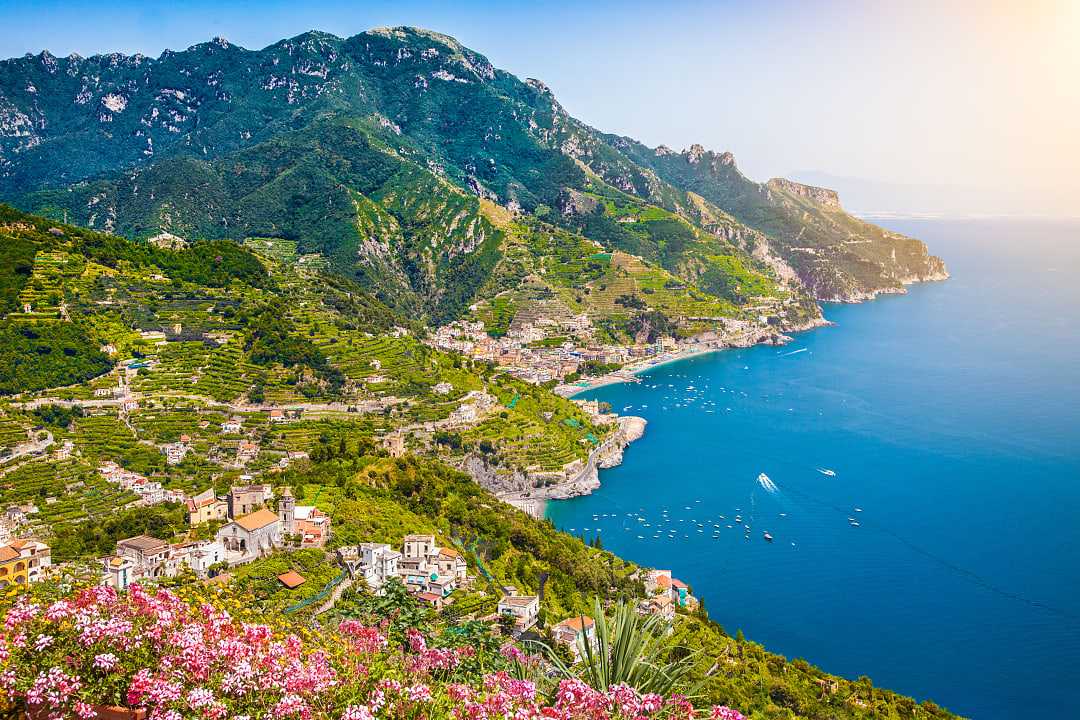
375,151
836,255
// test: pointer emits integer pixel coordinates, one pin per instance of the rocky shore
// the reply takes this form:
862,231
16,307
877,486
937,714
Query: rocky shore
519,490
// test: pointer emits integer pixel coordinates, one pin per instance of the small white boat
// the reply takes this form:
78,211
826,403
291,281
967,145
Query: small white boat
768,537
827,471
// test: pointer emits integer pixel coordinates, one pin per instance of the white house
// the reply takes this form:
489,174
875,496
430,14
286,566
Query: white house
571,629
175,452
451,564
375,562
524,609
250,536
200,555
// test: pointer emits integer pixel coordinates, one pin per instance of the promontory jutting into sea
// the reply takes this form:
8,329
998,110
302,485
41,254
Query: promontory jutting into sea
355,378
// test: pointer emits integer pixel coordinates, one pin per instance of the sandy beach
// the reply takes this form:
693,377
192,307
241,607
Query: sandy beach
630,371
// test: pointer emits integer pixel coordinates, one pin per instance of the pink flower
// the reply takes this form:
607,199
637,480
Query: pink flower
357,712
291,706
85,711
106,662
723,712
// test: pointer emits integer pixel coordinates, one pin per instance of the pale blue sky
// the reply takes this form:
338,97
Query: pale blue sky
952,93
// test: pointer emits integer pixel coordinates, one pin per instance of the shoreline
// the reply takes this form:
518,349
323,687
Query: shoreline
620,376
630,371
537,506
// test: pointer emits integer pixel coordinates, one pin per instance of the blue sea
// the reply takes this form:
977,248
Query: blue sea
951,419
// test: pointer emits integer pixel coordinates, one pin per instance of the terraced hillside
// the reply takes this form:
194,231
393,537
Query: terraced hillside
168,344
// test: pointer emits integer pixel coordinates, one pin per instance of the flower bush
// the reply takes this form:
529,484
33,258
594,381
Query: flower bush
192,655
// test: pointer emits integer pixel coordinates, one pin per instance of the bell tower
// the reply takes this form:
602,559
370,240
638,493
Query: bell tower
287,511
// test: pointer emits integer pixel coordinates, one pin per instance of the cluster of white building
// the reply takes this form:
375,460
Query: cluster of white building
518,354
245,537
473,407
664,594
150,492
143,557
430,572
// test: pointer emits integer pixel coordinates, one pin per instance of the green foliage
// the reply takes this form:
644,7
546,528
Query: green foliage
272,338
94,539
59,416
16,266
632,650
36,355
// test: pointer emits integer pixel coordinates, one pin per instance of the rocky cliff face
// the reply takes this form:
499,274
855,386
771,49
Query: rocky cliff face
838,257
824,197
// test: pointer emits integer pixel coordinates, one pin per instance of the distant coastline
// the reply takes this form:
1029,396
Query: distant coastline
630,372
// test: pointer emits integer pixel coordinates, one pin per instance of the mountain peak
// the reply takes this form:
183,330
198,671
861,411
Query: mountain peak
410,32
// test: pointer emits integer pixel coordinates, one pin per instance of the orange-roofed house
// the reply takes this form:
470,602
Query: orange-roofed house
435,600
291,579
658,581
680,594
22,562
450,563
206,506
571,629
250,536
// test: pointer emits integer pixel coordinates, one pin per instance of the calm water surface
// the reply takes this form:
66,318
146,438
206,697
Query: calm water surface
951,418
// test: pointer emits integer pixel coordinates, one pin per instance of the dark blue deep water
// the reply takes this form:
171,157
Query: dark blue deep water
951,417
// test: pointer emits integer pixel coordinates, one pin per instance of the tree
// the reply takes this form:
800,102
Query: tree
628,649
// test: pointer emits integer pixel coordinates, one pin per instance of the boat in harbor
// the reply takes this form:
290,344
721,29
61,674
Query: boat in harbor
768,537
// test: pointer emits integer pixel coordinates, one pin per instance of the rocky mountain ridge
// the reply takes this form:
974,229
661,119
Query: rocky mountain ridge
371,151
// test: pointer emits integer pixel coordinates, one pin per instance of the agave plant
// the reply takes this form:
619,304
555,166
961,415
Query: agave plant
628,649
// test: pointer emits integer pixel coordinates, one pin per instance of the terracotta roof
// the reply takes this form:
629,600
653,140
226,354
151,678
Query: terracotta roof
678,583
292,579
429,597
577,623
257,520
7,553
449,552
663,581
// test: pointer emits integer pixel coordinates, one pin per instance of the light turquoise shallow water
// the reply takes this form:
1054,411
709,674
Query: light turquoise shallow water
951,417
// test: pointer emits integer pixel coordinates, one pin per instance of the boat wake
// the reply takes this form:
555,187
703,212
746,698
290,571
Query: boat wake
766,484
